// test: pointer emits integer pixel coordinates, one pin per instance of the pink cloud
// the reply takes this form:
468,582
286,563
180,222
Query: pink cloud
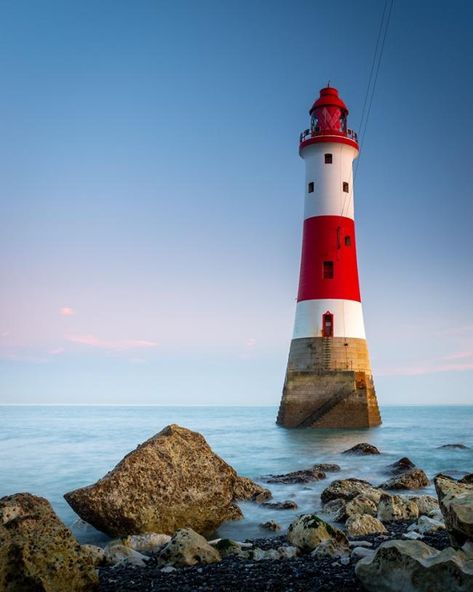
443,364
56,351
109,344
67,311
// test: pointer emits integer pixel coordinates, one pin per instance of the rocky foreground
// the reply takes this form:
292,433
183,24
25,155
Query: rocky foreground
164,498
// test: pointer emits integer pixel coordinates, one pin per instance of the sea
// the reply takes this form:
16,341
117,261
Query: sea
49,450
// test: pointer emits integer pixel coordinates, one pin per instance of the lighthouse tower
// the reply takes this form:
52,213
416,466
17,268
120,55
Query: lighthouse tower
329,383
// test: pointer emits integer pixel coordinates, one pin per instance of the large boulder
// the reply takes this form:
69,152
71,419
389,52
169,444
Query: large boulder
359,505
188,548
411,479
308,531
246,489
364,525
456,504
427,504
347,489
363,448
393,508
172,480
413,566
37,552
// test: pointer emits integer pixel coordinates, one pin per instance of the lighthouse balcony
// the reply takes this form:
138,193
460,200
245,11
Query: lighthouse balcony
308,134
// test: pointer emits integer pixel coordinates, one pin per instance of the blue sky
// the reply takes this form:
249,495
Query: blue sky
151,195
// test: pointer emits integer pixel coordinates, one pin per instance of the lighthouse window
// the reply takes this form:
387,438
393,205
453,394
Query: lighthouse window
328,159
348,241
328,270
310,187
346,187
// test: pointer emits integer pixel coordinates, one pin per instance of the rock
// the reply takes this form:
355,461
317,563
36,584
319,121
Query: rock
308,531
305,476
330,548
246,489
359,505
413,566
187,547
336,509
285,505
467,479
327,468
427,504
271,525
364,525
288,552
392,508
172,480
37,552
401,466
456,504
360,544
361,449
347,489
167,569
458,446
97,554
426,525
412,535
227,547
412,479
150,542
117,553
360,552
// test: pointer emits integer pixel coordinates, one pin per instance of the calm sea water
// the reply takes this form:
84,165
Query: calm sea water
48,450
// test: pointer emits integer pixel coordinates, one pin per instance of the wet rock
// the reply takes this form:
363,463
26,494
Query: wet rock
426,525
467,479
187,547
327,468
304,476
427,504
458,446
308,531
246,489
150,542
336,509
413,566
117,553
401,466
37,552
359,505
285,505
172,480
361,449
392,508
412,479
271,525
456,504
347,489
364,525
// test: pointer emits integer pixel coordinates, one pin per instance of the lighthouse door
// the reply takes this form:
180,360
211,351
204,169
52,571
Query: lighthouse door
327,325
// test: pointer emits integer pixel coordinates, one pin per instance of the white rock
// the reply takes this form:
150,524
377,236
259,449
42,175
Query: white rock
167,569
412,535
116,553
360,552
360,544
425,525
149,542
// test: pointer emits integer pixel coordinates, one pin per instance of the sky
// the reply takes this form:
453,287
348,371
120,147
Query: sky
151,195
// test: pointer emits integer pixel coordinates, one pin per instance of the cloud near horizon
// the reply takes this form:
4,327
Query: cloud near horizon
110,344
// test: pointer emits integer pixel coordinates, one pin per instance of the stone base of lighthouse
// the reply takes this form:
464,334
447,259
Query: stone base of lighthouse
329,385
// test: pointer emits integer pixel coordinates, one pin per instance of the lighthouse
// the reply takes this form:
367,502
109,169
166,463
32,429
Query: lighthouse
329,382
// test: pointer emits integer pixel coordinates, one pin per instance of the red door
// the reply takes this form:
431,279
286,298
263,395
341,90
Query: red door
327,324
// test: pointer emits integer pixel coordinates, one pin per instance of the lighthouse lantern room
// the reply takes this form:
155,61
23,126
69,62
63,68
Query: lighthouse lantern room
329,383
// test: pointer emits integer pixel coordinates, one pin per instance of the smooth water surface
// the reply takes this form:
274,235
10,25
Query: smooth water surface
49,450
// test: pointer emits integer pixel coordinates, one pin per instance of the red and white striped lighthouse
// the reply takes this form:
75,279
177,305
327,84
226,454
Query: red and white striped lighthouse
328,380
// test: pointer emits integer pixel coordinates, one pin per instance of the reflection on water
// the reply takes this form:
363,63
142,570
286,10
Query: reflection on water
50,450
